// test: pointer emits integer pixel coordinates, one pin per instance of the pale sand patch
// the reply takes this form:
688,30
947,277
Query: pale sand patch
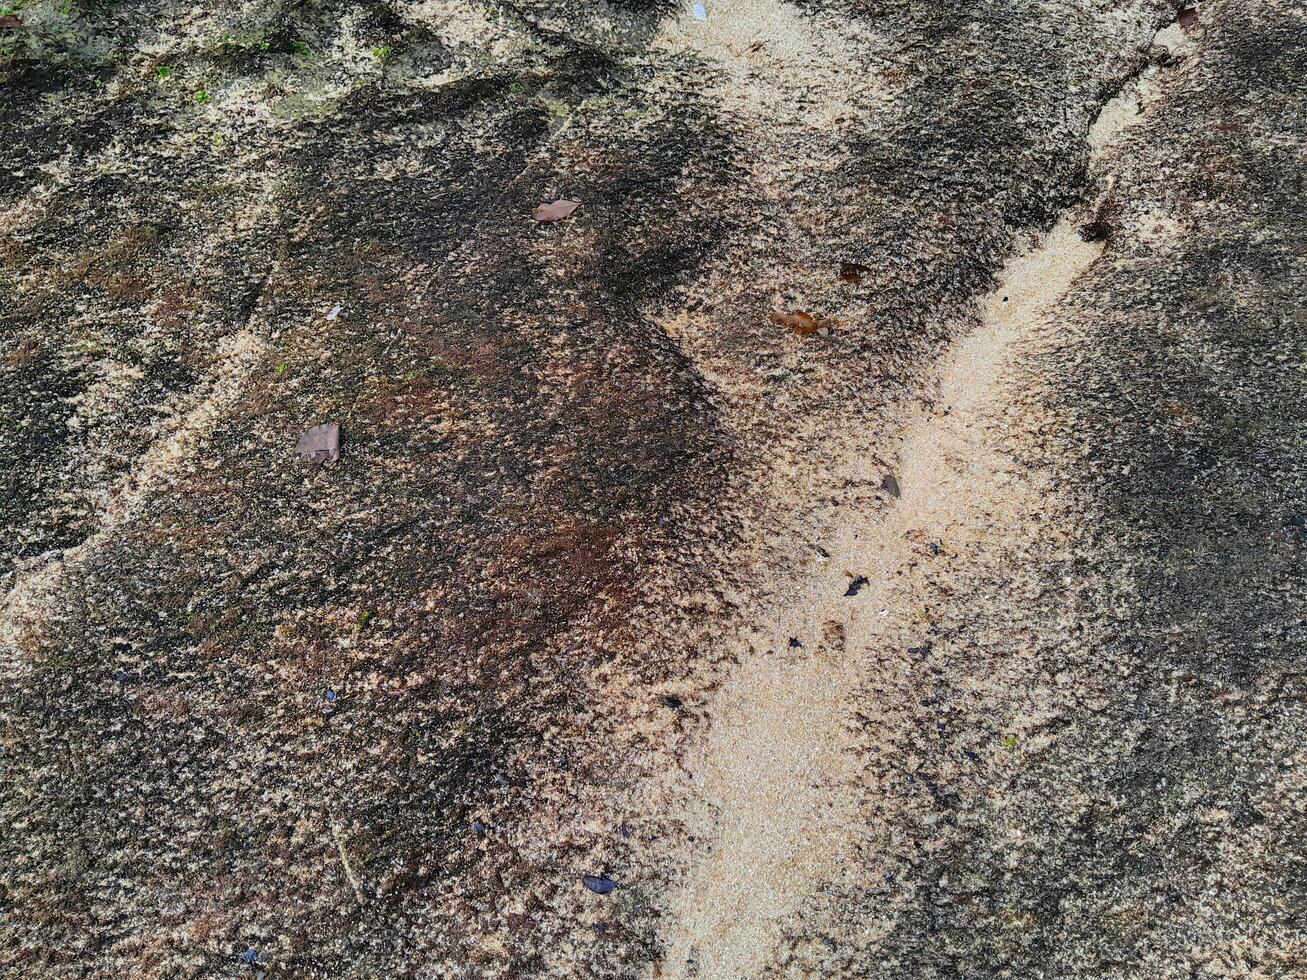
777,771
1122,112
770,51
777,760
470,27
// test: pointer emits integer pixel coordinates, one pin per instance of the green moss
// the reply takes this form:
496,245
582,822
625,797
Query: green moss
244,43
89,347
555,110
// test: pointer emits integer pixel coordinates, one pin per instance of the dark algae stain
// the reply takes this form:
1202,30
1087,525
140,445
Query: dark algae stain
288,689
1174,412
391,716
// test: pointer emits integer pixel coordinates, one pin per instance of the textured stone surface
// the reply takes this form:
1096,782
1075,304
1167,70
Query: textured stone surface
380,718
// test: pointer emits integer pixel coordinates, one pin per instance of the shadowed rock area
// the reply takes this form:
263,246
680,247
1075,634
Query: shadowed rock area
570,608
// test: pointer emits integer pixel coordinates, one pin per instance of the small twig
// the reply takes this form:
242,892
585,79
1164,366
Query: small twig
344,860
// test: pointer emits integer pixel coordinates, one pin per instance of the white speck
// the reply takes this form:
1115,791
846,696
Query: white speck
335,312
884,612
699,12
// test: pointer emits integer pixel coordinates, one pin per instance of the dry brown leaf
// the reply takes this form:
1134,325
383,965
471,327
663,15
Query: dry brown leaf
853,271
804,324
10,22
554,210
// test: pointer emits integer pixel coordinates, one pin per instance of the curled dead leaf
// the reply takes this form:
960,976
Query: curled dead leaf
554,210
803,324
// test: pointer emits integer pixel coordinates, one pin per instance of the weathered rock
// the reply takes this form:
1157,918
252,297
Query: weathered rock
582,462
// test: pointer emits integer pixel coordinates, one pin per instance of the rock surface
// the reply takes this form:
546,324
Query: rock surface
570,607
